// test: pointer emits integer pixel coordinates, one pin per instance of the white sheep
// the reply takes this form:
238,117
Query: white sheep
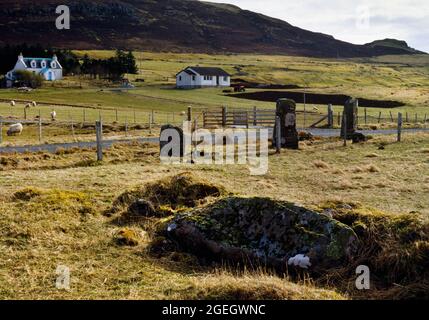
34,104
53,115
28,106
12,103
15,129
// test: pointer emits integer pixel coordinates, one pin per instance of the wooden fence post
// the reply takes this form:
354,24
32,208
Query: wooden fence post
99,136
84,116
25,113
1,130
278,135
135,118
153,117
255,115
224,111
345,128
116,115
189,113
40,127
366,119
399,126
391,116
379,117
339,118
416,119
150,124
330,116
72,128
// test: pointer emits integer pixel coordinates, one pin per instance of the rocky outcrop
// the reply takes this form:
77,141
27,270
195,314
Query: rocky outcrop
274,233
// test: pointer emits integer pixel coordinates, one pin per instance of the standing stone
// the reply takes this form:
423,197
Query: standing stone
351,113
286,110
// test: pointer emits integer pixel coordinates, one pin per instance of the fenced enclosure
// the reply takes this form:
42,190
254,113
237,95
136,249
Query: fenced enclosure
255,117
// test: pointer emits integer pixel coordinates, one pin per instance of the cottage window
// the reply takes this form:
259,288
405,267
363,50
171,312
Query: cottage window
33,64
225,79
43,64
53,64
180,78
193,78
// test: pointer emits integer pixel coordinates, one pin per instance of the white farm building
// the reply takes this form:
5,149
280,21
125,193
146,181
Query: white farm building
49,68
200,77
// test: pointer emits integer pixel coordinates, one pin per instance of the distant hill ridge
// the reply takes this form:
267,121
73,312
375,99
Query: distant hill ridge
173,25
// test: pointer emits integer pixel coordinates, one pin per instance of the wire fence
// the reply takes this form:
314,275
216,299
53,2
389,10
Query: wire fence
224,117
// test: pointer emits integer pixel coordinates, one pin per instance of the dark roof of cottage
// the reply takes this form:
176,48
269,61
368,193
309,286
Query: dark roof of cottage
190,72
38,61
209,71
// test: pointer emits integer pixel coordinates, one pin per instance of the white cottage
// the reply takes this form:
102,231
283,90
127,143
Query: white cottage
200,77
49,68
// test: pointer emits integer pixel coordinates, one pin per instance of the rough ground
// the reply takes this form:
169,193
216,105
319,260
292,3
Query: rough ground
63,221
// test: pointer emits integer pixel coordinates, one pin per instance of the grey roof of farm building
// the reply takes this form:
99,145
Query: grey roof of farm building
209,71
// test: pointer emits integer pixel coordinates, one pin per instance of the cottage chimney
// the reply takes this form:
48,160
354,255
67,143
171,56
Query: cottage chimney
20,56
54,57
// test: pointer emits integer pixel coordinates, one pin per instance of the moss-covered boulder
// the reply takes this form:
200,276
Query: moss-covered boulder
275,233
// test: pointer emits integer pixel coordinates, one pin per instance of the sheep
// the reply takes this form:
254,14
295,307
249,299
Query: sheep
34,104
28,106
15,129
53,115
12,103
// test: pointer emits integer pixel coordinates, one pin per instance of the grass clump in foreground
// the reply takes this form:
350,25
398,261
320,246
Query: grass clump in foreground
394,247
257,285
168,195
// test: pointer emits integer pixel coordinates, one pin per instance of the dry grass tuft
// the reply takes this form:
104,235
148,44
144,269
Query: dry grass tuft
27,194
127,237
171,194
394,247
320,164
256,286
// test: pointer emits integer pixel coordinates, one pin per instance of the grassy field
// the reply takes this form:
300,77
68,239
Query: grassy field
53,206
402,78
52,209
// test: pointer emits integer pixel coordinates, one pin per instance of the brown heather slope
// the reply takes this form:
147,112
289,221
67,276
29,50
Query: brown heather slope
172,25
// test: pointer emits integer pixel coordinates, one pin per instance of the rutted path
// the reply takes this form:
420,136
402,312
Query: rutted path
88,144
108,143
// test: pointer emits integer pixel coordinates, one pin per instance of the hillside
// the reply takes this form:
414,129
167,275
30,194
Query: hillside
172,25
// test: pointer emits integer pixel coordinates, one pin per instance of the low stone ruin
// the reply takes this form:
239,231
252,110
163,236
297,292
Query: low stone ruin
262,231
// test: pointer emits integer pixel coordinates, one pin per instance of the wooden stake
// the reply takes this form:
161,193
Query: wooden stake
99,136
278,135
40,127
345,128
399,126
1,130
